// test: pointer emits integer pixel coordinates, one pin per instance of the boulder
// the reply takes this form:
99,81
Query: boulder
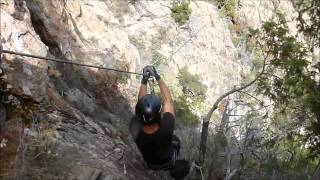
3,114
28,76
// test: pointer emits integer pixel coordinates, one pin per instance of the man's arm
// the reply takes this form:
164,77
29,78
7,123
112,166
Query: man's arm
144,81
142,90
166,95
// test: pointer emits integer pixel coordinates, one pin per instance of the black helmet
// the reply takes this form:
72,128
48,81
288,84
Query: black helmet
148,109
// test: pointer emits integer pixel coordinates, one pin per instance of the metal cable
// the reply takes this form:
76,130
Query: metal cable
68,62
151,82
88,65
186,42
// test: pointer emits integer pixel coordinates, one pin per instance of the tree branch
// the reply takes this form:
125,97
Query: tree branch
251,96
231,174
215,105
206,120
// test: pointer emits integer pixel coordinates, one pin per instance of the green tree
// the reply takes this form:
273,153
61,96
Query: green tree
193,94
180,11
309,21
184,113
228,7
290,78
191,84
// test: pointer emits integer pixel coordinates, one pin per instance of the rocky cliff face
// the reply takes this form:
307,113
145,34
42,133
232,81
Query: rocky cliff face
79,116
17,33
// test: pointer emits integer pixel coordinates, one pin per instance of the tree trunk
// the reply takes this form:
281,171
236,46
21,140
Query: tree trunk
221,163
203,141
206,120
316,175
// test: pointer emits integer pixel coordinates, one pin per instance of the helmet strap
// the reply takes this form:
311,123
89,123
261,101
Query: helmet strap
144,119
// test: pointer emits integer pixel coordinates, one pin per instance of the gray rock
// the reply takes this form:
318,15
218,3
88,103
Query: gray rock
3,114
97,33
107,177
89,174
28,76
95,175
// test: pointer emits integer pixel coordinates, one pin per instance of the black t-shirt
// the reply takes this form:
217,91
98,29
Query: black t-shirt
157,148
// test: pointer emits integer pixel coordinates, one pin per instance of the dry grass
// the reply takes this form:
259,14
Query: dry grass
9,153
28,133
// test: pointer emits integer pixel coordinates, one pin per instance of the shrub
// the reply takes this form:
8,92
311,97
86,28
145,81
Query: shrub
183,112
228,7
191,84
158,59
54,73
180,11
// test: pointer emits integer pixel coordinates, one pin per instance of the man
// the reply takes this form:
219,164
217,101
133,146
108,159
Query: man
152,128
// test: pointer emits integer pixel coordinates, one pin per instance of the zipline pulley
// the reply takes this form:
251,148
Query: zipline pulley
151,85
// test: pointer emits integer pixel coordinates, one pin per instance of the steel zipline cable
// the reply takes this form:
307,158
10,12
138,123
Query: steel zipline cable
88,65
67,62
151,82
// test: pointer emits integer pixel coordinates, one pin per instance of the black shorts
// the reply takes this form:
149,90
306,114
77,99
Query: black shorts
168,165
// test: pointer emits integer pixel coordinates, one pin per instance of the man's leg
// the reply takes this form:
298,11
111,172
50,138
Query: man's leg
181,166
180,169
176,144
169,165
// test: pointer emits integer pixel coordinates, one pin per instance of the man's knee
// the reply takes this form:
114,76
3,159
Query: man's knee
180,169
175,138
176,143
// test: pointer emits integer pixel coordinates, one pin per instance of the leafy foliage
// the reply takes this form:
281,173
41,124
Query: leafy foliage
158,59
309,20
274,149
191,84
293,157
193,93
184,113
180,11
289,79
273,142
228,7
